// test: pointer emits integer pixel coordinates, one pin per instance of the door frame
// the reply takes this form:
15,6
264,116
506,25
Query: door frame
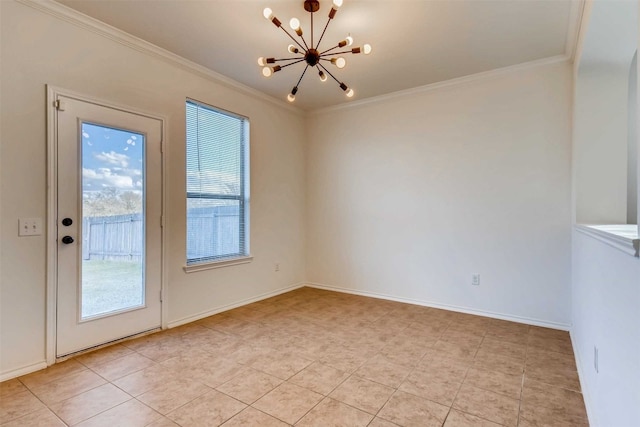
52,198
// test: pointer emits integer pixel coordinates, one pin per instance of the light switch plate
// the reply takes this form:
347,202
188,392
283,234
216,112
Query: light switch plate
30,226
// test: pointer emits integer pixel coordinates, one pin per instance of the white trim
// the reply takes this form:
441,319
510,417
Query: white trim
217,264
14,373
227,307
52,235
509,317
586,395
573,28
86,22
52,196
625,242
445,84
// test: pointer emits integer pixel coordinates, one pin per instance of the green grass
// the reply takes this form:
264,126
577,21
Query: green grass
110,285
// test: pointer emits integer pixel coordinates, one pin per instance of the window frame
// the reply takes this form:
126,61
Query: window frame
243,255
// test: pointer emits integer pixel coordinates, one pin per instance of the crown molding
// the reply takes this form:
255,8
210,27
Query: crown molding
406,93
107,31
576,15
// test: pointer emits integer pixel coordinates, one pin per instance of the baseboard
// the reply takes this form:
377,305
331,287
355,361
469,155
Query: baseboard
227,307
509,317
593,422
4,376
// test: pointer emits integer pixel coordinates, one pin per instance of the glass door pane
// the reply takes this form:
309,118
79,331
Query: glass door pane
113,221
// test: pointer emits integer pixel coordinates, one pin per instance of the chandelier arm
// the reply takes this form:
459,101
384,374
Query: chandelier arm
329,72
288,59
330,49
336,53
323,31
291,63
311,29
305,43
293,38
299,80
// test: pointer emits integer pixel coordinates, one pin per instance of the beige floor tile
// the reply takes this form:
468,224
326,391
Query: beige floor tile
407,354
332,413
14,386
540,416
443,368
18,405
67,387
283,365
103,355
381,370
147,379
379,422
460,419
250,385
210,409
90,403
495,347
252,417
507,365
498,382
169,396
325,344
564,378
560,345
117,368
537,394
132,413
288,402
487,405
52,373
320,378
41,418
163,422
408,410
362,394
423,384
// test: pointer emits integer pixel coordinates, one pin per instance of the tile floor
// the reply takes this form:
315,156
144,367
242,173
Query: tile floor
313,358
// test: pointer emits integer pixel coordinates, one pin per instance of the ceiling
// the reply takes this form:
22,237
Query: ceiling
415,42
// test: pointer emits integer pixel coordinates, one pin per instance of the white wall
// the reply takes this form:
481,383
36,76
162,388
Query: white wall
408,197
606,314
606,281
38,49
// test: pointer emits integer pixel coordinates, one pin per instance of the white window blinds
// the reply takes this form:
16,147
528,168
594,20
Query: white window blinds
217,184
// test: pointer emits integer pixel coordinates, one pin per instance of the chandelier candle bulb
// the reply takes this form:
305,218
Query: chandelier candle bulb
349,40
323,76
293,49
337,3
350,93
339,62
266,71
267,13
366,49
261,61
294,24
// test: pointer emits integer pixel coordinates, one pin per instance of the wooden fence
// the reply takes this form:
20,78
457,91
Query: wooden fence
212,231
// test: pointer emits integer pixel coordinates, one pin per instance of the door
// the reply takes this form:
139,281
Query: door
109,237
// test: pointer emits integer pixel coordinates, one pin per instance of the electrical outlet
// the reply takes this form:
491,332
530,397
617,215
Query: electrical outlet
29,227
595,359
277,266
475,280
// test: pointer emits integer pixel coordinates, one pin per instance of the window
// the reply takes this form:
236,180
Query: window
217,184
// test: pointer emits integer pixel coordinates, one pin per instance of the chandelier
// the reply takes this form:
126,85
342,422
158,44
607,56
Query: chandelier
310,53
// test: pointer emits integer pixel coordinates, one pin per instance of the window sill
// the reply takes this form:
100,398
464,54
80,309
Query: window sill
217,264
623,237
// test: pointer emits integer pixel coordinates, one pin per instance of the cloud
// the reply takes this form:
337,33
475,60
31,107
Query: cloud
105,177
113,158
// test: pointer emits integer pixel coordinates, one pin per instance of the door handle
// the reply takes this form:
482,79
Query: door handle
67,222
67,240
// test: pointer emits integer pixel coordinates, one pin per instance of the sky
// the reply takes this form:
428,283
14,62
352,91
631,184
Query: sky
111,158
